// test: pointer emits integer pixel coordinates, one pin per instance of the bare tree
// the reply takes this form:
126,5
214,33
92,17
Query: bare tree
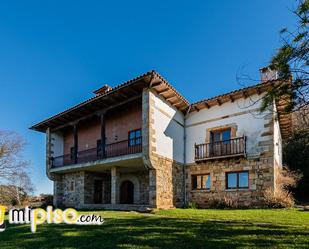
11,162
301,119
20,187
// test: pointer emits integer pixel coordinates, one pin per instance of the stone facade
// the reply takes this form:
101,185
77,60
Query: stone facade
168,181
261,177
162,182
259,163
77,189
166,184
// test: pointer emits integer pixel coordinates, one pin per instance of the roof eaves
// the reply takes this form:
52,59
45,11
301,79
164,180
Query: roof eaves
125,84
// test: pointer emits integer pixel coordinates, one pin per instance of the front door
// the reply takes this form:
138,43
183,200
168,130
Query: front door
98,191
127,192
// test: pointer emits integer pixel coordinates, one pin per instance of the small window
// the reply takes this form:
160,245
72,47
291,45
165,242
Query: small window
71,186
237,180
201,182
135,137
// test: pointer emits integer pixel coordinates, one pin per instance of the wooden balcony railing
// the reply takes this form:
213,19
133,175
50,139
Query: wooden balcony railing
227,148
121,148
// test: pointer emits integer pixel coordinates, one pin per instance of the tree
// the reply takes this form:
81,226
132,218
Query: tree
11,161
296,156
16,183
21,187
291,61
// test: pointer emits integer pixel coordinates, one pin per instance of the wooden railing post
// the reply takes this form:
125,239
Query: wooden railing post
75,136
103,138
229,147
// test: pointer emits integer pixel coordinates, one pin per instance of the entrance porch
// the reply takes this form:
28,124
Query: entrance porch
103,187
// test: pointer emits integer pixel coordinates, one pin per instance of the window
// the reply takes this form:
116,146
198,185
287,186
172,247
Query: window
237,180
201,181
220,135
71,186
135,137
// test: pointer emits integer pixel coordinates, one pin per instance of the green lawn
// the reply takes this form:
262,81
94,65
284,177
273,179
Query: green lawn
179,228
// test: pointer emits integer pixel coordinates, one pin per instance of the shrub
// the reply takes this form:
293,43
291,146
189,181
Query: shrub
192,205
281,197
223,202
278,198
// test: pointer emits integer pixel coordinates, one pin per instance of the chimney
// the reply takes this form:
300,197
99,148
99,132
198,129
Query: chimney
102,90
268,74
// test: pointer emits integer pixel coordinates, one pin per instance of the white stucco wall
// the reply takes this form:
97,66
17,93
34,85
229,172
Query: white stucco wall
277,142
242,113
57,141
169,129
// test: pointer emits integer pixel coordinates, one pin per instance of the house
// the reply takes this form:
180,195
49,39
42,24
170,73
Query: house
141,144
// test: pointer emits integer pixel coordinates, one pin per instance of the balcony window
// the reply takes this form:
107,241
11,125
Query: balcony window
237,180
220,135
200,182
135,137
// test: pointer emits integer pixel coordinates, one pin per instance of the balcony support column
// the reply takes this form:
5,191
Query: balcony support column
103,137
75,137
114,185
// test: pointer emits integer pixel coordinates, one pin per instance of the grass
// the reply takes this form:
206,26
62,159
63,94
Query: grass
179,228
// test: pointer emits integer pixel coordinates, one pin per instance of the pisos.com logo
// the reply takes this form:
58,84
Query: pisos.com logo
39,216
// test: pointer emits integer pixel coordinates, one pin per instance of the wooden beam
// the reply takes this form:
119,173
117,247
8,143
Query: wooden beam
195,108
164,91
177,103
121,92
98,112
156,84
151,80
170,98
258,90
206,105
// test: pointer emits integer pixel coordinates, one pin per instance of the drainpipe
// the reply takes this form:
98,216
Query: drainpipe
184,156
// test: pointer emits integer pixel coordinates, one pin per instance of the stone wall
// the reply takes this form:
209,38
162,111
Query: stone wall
169,182
166,176
83,192
140,179
90,177
64,195
259,163
261,177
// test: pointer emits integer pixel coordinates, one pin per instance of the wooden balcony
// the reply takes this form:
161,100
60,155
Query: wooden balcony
121,148
222,149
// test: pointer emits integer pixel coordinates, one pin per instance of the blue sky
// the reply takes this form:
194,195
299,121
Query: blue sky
54,53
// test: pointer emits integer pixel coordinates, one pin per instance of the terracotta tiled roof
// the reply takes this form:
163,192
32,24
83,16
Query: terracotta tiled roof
132,89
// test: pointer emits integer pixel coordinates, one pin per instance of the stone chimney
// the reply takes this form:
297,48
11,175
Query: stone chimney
268,74
102,90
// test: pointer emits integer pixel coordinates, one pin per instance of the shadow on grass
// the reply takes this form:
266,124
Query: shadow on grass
154,232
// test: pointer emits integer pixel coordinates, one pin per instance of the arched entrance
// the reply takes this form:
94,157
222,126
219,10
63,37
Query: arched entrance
127,192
